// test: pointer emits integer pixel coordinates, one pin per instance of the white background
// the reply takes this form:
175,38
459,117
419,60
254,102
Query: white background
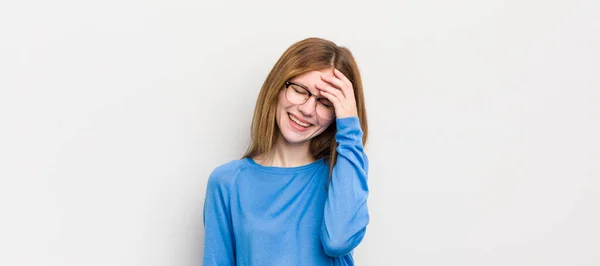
484,125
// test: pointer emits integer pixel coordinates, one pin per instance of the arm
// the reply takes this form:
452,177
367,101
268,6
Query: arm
346,214
219,241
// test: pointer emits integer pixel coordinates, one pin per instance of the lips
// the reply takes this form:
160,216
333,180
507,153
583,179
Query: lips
298,121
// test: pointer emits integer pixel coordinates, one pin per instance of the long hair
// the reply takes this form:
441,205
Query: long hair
302,57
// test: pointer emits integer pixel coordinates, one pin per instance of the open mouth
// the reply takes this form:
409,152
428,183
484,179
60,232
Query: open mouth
298,122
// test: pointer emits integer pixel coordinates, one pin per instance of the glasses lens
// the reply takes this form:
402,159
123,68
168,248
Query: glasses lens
296,94
325,109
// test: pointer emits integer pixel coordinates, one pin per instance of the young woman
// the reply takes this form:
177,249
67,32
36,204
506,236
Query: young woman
299,194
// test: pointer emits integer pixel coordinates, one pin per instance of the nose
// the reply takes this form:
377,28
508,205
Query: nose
309,107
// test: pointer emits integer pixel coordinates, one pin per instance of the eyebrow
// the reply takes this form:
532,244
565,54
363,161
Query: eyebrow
299,84
306,87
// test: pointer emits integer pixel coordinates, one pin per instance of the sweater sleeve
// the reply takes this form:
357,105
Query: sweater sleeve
346,214
219,240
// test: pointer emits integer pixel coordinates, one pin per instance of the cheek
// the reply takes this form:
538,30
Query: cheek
323,129
282,103
280,110
325,124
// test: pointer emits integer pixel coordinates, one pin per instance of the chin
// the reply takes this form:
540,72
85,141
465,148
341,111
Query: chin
293,139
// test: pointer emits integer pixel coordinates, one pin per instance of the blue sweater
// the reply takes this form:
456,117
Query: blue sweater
258,215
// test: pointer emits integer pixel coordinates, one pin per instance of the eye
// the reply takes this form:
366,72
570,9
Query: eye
325,102
299,90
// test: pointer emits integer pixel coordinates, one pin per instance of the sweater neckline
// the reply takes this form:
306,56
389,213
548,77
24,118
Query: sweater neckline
281,169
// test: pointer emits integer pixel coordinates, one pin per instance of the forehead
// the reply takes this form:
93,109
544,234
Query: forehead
312,77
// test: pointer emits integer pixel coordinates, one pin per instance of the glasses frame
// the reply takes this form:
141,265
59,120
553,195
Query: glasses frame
289,83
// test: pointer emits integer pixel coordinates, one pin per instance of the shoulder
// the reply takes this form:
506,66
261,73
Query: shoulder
225,174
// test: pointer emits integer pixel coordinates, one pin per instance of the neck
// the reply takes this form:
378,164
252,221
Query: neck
285,154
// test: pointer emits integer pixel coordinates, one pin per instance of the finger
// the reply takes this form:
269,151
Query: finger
338,74
337,103
347,88
337,83
331,90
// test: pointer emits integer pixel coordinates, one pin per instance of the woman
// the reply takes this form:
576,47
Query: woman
299,194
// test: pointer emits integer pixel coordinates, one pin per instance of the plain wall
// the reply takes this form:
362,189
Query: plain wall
484,125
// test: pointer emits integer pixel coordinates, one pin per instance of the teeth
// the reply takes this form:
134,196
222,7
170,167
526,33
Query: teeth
298,122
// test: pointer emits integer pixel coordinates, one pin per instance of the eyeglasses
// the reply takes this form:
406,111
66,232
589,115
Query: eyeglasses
298,94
